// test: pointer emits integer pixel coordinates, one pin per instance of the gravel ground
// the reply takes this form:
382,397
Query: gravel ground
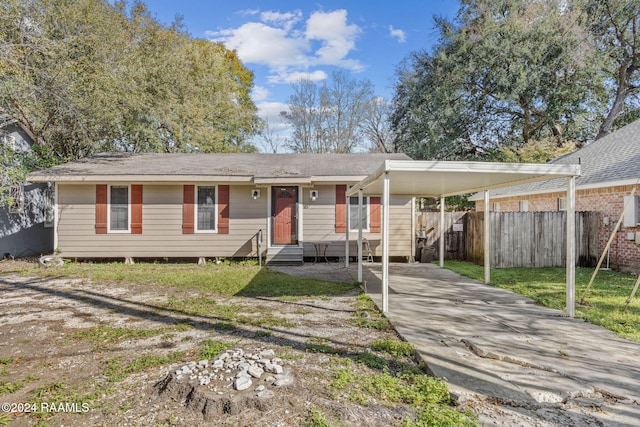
43,354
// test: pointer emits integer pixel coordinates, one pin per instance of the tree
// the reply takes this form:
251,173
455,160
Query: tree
304,115
85,76
429,118
344,104
615,25
377,126
270,141
329,118
538,151
504,73
55,76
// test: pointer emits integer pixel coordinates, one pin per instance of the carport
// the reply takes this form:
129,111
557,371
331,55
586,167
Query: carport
443,179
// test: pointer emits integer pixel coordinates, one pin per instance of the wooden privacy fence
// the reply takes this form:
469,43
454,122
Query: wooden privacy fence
518,239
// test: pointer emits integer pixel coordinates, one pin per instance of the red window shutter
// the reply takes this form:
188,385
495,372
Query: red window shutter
101,209
136,209
341,209
187,209
223,209
375,215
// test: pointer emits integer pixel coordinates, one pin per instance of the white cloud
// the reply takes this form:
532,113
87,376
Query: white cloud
290,46
400,35
295,76
284,20
259,93
338,38
258,43
271,111
248,12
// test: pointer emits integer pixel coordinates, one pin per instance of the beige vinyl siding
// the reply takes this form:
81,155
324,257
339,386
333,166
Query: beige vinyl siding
400,231
161,226
319,226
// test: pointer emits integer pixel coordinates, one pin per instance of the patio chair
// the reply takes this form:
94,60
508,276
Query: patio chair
367,255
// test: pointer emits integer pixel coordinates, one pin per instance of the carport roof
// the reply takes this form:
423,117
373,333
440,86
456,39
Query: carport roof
443,178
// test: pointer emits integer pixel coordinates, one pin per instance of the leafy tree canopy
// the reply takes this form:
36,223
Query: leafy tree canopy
87,75
615,29
508,73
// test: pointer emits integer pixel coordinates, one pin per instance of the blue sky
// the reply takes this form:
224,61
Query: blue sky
282,41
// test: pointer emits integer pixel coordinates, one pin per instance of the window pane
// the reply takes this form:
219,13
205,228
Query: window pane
119,208
206,208
353,213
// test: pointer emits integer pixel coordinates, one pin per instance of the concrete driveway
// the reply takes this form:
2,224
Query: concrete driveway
513,362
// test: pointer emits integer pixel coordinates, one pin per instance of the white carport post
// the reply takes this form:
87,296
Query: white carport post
571,246
385,243
442,202
346,240
360,235
413,229
487,239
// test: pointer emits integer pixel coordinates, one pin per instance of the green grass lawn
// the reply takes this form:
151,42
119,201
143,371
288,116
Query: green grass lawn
225,280
605,305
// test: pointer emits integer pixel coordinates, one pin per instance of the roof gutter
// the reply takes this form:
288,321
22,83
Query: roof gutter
377,175
81,179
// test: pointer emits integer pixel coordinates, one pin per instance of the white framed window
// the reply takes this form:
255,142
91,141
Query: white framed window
496,206
119,210
17,196
562,203
206,211
353,213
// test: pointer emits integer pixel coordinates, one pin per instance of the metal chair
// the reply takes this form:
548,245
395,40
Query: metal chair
367,255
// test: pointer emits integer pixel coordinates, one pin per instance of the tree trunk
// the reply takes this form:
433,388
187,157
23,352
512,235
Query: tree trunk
618,104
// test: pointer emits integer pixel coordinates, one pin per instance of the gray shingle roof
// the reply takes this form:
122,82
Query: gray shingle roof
218,165
615,157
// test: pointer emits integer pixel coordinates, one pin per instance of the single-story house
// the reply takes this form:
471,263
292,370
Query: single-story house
124,205
610,170
26,225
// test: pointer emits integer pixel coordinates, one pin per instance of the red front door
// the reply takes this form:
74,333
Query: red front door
284,201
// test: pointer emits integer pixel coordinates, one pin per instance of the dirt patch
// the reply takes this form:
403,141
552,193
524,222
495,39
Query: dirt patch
73,352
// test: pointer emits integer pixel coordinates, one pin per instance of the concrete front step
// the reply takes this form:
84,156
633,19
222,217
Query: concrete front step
285,255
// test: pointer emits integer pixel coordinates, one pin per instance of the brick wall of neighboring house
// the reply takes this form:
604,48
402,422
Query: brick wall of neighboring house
609,201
